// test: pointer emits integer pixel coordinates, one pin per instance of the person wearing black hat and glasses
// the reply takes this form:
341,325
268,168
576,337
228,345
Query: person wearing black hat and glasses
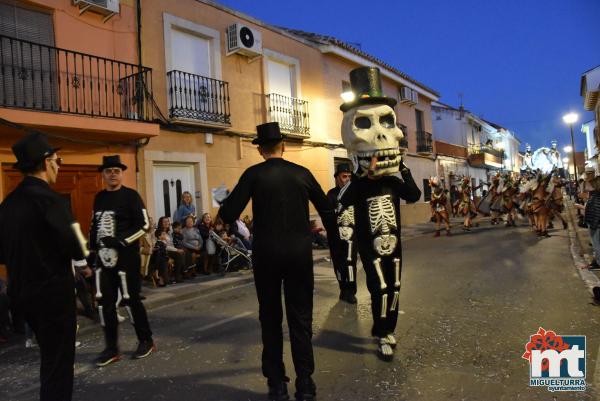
342,243
119,221
38,239
282,253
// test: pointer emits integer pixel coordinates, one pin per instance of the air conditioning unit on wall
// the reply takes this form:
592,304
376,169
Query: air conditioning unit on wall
408,95
108,8
243,40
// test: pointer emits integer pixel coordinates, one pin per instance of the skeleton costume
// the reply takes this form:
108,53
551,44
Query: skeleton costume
343,242
119,220
38,239
370,135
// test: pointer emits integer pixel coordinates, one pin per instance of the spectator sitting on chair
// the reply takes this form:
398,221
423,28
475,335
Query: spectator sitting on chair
317,235
186,208
160,257
164,225
241,231
222,231
205,226
192,241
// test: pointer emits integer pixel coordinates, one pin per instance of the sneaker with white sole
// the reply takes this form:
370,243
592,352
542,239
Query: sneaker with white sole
144,349
107,357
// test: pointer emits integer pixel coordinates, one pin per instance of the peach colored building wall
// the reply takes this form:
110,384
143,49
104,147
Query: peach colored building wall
114,39
223,161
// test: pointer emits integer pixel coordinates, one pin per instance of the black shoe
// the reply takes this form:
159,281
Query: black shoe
306,390
593,266
144,349
107,357
278,392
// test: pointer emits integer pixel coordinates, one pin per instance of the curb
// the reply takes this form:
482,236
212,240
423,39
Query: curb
575,241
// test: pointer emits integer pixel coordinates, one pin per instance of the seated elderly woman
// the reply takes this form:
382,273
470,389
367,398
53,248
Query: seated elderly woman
192,242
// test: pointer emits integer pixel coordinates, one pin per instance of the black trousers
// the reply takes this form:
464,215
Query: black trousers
384,293
345,270
53,319
295,273
110,283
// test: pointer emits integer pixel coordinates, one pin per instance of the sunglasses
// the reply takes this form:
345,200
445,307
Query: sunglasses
57,160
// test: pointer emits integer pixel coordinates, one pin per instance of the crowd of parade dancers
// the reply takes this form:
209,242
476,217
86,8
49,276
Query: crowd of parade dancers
533,196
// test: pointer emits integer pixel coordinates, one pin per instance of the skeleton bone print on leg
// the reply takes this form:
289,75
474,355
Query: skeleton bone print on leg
346,229
107,228
382,218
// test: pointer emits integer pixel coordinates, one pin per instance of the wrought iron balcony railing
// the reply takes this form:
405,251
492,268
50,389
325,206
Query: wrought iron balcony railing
290,113
194,97
424,142
476,149
46,78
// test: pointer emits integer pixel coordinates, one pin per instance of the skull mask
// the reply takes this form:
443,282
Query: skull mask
370,132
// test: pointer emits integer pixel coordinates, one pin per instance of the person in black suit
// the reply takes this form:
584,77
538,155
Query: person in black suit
342,241
282,253
38,239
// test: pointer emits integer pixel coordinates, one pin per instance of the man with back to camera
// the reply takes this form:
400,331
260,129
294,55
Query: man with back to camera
38,239
342,242
282,252
119,221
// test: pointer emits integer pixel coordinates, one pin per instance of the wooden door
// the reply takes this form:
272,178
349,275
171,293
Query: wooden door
78,184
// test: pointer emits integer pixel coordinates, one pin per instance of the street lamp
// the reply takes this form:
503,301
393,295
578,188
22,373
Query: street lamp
568,149
570,119
347,96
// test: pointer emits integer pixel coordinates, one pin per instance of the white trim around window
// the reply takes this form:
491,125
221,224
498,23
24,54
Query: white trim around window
171,21
282,58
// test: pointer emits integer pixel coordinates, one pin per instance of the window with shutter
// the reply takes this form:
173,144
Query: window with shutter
28,75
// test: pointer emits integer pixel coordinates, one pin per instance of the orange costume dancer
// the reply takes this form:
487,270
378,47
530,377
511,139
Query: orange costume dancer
466,206
438,202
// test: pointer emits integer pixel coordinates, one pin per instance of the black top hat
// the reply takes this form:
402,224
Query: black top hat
366,86
112,161
31,150
268,133
342,168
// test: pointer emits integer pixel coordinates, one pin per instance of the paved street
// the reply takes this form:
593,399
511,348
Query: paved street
468,305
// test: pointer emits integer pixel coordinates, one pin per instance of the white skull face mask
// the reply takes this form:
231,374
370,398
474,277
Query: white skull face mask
372,138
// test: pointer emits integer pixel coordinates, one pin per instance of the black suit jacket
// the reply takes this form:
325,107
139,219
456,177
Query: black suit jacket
280,191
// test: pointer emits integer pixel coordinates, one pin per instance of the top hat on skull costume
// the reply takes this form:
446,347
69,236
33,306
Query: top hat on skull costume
31,150
268,133
365,83
112,161
342,168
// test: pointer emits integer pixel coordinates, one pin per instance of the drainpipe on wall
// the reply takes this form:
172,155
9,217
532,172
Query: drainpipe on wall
138,144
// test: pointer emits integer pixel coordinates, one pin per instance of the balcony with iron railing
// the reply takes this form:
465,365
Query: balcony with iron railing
424,142
290,113
197,99
485,156
46,78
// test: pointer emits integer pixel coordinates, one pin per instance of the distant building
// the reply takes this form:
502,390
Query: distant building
589,89
468,145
